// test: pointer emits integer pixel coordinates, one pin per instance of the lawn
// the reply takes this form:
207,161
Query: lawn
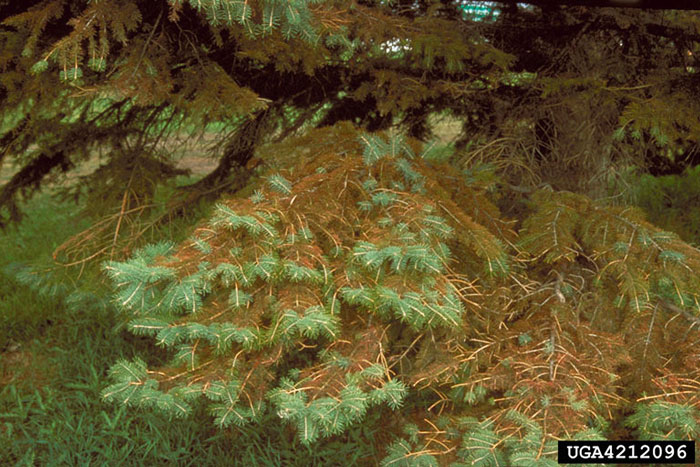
59,335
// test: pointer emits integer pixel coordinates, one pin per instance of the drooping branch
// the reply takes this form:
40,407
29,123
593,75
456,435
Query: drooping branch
7,140
29,178
238,150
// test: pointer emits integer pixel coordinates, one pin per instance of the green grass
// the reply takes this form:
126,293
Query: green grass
23,313
54,356
672,202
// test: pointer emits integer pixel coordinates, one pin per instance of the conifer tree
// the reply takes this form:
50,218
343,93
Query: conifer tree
123,77
382,271
377,277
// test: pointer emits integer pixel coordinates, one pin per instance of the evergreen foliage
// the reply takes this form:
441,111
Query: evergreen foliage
55,354
478,300
420,303
122,78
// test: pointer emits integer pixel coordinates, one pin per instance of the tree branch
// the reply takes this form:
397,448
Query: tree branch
644,4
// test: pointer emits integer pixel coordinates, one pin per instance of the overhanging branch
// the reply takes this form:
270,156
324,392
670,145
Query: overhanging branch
646,4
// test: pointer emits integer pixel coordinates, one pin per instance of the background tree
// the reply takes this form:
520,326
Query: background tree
461,285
